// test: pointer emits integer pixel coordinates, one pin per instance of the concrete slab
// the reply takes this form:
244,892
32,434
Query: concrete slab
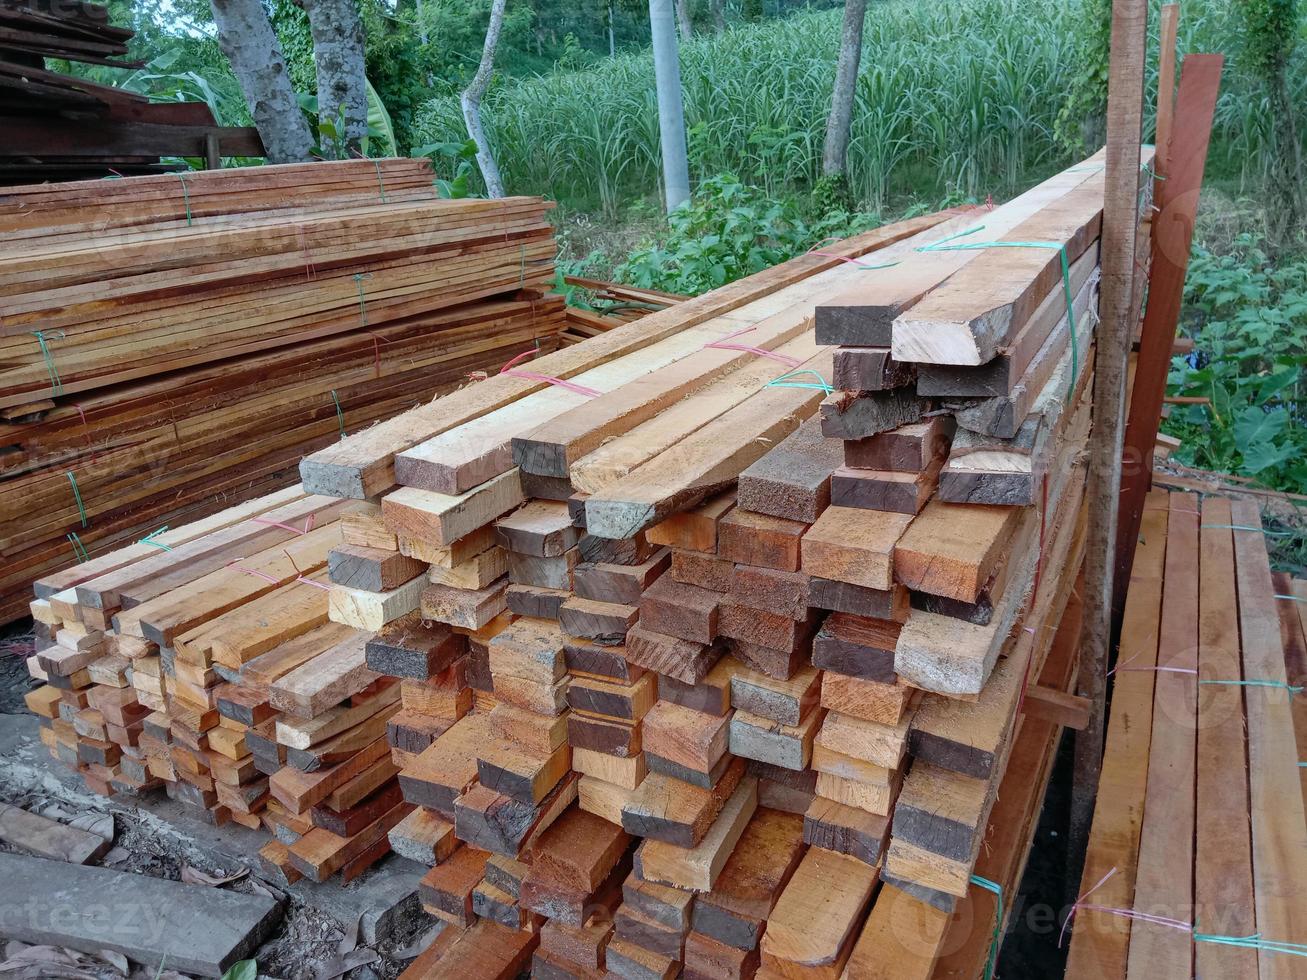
384,899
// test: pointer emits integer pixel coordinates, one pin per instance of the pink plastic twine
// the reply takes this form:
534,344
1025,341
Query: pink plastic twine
252,571
508,370
723,345
308,524
1157,920
815,250
1169,670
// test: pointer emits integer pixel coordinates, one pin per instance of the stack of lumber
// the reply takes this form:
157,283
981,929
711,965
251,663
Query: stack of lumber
610,304
1197,859
167,382
64,126
706,666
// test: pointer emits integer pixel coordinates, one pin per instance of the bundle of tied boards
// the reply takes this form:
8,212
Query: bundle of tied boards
699,646
175,343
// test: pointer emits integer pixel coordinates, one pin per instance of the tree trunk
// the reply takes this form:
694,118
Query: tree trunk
247,39
342,75
834,157
718,10
471,100
612,32
671,110
684,19
1284,220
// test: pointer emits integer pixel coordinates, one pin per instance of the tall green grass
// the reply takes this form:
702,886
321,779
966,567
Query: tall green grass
956,99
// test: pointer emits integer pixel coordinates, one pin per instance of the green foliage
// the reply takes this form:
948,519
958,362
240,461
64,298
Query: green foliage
1079,119
727,231
1271,29
1249,324
459,158
244,970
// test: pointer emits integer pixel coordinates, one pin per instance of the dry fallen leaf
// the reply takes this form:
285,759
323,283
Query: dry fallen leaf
197,877
117,960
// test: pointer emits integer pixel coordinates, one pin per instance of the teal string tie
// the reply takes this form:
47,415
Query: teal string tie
1257,682
944,245
186,196
150,539
380,183
43,338
1249,527
79,549
359,278
1255,941
1290,598
340,415
991,961
77,495
784,381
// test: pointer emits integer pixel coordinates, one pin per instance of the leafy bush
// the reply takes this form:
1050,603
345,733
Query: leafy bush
1249,324
727,231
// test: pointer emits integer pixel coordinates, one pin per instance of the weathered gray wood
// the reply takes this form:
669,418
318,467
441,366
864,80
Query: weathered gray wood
152,921
846,416
49,838
870,369
793,479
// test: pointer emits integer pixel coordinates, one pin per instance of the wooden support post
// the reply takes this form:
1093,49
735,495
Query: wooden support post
1125,90
1176,198
1166,87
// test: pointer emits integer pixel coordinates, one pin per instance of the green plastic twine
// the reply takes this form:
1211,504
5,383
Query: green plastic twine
150,539
340,416
380,183
784,382
77,495
944,246
991,961
79,549
1249,527
359,277
186,196
43,338
1258,682
1255,941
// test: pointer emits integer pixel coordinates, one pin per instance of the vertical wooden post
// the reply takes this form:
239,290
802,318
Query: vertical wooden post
1175,202
1166,86
212,152
1125,110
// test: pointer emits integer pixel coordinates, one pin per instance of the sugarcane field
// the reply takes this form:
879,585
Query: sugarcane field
721,489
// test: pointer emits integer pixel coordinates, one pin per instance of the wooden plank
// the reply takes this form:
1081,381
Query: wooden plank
1279,850
697,868
864,315
811,930
900,940
854,546
162,909
1176,199
364,466
736,910
1223,874
1166,844
704,463
952,549
47,838
1119,816
792,480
